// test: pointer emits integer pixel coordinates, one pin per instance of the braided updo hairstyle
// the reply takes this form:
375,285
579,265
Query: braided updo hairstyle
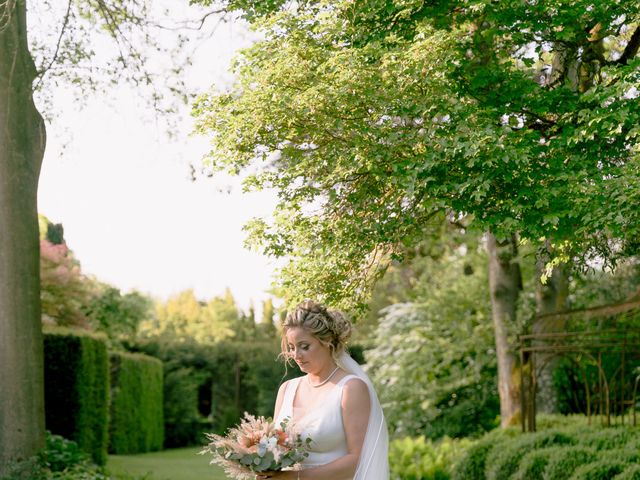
330,327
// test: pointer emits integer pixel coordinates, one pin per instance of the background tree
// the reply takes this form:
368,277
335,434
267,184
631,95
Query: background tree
373,119
63,52
117,315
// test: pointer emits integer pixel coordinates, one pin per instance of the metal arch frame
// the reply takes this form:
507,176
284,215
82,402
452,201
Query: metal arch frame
591,344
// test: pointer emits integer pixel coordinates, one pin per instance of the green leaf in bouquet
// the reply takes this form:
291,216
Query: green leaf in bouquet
257,460
286,462
265,463
246,460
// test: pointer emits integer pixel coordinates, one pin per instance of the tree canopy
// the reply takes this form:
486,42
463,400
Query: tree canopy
375,120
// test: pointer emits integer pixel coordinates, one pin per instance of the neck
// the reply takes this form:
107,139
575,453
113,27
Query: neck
323,374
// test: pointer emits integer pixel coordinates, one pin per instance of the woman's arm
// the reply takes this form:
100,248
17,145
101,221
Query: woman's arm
356,406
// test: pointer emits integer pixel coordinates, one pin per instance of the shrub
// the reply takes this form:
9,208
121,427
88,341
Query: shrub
207,388
563,461
600,470
137,421
608,438
632,472
533,464
61,459
472,465
77,389
417,459
503,462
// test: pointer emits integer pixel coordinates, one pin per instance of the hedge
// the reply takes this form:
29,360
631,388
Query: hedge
573,450
207,388
564,461
503,462
533,464
137,419
77,389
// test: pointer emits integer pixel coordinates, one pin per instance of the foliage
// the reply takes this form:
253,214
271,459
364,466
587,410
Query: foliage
372,119
117,315
63,288
61,459
474,462
632,472
136,421
420,459
563,462
184,317
533,464
77,389
568,449
434,360
207,388
503,462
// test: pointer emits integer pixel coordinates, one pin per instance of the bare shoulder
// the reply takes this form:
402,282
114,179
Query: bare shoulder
283,387
355,392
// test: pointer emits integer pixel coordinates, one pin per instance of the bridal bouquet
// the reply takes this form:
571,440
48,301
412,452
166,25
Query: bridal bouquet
257,445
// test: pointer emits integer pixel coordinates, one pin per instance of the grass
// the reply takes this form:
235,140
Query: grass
176,464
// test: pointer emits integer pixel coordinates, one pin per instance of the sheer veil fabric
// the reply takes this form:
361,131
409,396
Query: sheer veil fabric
374,458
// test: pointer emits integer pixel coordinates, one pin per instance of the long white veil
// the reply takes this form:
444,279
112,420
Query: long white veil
374,457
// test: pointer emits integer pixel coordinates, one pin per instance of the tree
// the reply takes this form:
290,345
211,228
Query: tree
267,327
23,142
117,315
184,318
373,119
22,137
436,327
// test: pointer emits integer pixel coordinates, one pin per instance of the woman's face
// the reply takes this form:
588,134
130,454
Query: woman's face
307,351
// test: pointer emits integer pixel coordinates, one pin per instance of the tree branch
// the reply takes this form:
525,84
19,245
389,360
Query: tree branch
65,22
631,49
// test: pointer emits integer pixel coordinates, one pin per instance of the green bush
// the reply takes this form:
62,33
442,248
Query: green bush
503,462
564,461
608,438
61,459
533,464
77,389
600,470
472,466
420,459
137,420
632,472
207,388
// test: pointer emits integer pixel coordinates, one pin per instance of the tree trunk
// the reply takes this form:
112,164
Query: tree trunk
22,139
551,297
505,283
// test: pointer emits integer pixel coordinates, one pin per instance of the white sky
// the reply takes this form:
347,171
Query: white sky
131,214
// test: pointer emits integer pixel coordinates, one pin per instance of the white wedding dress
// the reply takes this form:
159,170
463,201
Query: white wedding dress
323,424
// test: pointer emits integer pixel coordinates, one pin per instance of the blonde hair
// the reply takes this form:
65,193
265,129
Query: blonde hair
330,327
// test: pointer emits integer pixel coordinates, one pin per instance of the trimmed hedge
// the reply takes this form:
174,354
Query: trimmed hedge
632,472
207,388
533,464
77,389
474,461
137,419
503,462
564,461
572,450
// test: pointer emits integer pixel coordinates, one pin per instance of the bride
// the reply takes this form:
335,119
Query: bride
334,404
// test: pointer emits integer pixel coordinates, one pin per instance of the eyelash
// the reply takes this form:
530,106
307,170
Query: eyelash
305,348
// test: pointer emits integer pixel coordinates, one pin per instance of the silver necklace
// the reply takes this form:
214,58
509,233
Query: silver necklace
324,381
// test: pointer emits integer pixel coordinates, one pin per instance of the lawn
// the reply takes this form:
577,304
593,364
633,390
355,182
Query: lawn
177,464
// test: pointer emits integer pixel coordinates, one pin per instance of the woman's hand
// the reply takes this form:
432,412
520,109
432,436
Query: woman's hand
288,475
